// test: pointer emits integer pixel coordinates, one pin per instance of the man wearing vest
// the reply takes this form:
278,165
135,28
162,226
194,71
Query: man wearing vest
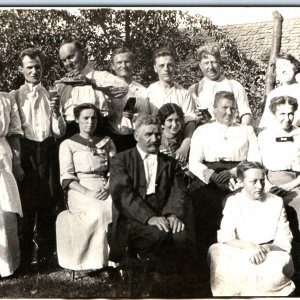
214,81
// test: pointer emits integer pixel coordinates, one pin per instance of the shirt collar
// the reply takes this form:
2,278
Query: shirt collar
222,126
221,78
143,153
32,86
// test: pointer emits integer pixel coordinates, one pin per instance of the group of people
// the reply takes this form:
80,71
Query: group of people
174,177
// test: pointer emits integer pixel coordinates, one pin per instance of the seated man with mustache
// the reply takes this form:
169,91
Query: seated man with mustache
150,206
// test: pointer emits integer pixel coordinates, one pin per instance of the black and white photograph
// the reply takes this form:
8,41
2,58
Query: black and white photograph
149,152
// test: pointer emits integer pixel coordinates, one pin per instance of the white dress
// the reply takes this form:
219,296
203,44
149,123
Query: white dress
81,230
10,203
259,222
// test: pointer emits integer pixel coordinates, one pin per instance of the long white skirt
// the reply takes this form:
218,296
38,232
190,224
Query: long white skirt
81,231
232,274
9,203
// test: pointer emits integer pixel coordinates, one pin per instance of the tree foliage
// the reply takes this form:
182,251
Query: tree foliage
103,30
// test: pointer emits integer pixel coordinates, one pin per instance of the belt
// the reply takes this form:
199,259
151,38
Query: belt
92,175
221,165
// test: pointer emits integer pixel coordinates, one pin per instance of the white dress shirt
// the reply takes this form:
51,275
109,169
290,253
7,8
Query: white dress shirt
73,96
177,94
255,221
214,142
206,90
35,113
280,156
150,166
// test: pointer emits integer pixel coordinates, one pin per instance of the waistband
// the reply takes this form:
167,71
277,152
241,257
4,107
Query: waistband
216,165
45,141
92,175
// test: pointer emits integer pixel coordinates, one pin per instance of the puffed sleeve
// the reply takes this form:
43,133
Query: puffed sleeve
253,149
241,98
15,122
66,162
196,157
227,230
283,236
267,115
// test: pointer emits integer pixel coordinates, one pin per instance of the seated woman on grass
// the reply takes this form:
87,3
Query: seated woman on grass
252,255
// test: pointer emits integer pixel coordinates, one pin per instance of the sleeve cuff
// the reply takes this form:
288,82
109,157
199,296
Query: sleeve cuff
66,182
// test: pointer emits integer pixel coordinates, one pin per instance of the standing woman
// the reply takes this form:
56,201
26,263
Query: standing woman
10,205
84,162
287,67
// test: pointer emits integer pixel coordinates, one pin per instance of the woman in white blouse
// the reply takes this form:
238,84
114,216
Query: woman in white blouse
84,161
286,69
216,149
252,255
280,150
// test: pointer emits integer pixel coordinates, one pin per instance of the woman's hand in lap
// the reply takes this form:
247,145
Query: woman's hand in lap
94,193
258,253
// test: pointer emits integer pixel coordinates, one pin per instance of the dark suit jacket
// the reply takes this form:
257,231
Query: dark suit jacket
128,191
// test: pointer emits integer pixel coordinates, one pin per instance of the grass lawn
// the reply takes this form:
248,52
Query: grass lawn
58,283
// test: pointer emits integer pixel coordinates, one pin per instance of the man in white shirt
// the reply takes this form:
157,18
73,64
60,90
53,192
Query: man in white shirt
150,210
216,148
40,189
165,90
214,81
122,62
100,88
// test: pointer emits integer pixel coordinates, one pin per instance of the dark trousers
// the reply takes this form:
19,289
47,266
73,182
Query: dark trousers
40,192
169,252
208,203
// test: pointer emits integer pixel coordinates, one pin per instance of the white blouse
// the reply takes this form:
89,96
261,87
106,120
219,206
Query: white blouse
255,221
9,116
280,156
214,142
